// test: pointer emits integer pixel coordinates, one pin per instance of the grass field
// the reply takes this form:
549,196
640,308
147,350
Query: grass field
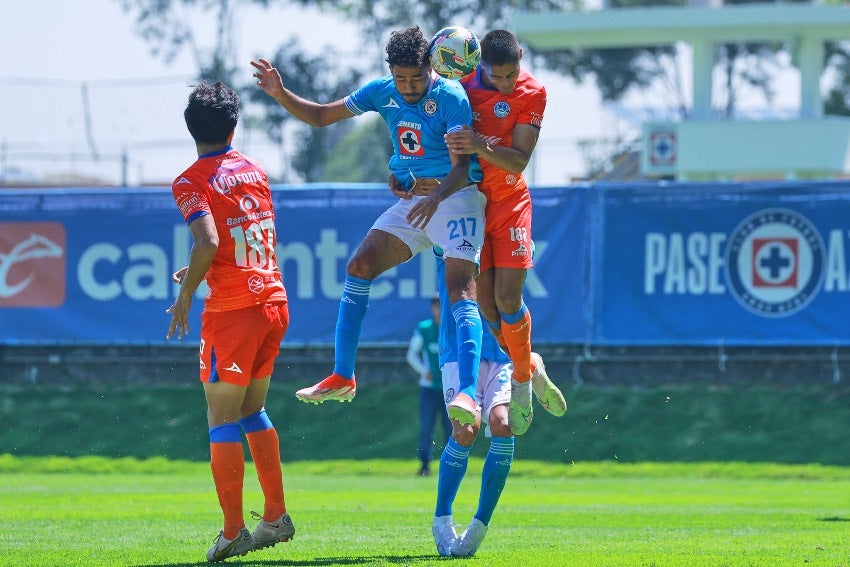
98,511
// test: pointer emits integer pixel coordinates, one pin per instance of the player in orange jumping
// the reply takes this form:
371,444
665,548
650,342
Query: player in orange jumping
226,200
508,105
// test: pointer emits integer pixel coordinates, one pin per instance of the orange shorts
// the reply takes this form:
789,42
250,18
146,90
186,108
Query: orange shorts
239,345
507,236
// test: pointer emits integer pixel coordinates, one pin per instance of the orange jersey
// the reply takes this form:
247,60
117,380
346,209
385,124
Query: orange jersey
234,189
495,115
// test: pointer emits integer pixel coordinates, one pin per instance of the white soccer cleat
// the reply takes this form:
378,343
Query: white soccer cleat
464,410
520,412
334,387
268,534
444,534
546,392
223,548
469,541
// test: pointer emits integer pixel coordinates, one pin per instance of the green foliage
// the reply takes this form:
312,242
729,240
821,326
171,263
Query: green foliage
361,155
649,514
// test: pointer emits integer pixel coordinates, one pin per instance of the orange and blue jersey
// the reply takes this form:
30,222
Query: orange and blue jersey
417,130
494,117
234,189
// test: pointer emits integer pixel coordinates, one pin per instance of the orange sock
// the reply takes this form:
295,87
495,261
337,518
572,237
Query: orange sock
518,338
227,461
265,450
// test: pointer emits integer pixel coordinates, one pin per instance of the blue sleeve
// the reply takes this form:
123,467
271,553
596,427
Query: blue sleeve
362,100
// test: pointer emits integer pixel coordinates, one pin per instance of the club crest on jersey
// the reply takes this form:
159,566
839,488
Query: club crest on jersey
410,142
430,107
501,109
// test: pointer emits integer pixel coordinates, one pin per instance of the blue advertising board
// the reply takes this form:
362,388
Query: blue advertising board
643,264
94,265
738,264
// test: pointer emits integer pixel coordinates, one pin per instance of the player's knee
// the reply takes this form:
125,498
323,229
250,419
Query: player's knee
361,267
499,425
464,435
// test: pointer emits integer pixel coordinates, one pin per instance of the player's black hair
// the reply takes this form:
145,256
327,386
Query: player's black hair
407,48
499,47
212,113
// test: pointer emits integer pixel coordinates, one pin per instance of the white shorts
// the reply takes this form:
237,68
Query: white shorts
494,386
457,227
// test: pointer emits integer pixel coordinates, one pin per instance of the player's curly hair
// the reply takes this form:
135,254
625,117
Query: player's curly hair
407,48
212,113
499,47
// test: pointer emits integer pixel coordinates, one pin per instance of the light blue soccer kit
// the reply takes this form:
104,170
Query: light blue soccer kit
493,388
420,151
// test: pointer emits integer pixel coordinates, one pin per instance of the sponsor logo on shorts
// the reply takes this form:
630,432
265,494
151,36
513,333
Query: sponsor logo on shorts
465,246
32,264
522,250
234,368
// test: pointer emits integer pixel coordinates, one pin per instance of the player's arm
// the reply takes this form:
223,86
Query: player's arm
307,111
204,247
513,159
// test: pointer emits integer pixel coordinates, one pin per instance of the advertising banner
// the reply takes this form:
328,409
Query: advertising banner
94,265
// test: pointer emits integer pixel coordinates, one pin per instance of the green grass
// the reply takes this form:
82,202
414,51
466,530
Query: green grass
96,511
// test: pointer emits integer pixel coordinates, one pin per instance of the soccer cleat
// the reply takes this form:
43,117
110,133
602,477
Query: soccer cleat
223,548
469,541
520,411
547,393
268,534
444,534
464,410
334,387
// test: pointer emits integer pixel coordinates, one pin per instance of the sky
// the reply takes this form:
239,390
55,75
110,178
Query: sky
62,58
57,53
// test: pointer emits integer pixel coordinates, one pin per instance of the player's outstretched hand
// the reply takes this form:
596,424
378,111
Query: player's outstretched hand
267,77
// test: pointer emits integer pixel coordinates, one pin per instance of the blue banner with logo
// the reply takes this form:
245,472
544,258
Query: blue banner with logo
738,264
646,264
94,265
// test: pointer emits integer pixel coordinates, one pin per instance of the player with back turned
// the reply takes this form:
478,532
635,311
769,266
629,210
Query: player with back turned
226,201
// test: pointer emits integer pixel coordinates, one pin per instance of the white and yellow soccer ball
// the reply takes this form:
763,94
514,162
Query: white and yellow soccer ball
455,52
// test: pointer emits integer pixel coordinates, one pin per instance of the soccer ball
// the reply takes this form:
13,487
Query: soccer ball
455,52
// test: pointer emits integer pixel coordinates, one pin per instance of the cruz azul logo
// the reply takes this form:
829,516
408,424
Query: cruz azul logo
775,262
32,264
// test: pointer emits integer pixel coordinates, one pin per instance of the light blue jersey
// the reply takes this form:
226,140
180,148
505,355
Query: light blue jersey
490,349
417,130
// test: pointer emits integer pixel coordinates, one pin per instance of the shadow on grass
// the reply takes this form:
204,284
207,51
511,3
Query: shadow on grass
317,562
834,519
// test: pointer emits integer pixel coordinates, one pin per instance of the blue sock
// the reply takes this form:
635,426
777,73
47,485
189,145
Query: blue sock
452,468
352,310
514,318
469,337
497,465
